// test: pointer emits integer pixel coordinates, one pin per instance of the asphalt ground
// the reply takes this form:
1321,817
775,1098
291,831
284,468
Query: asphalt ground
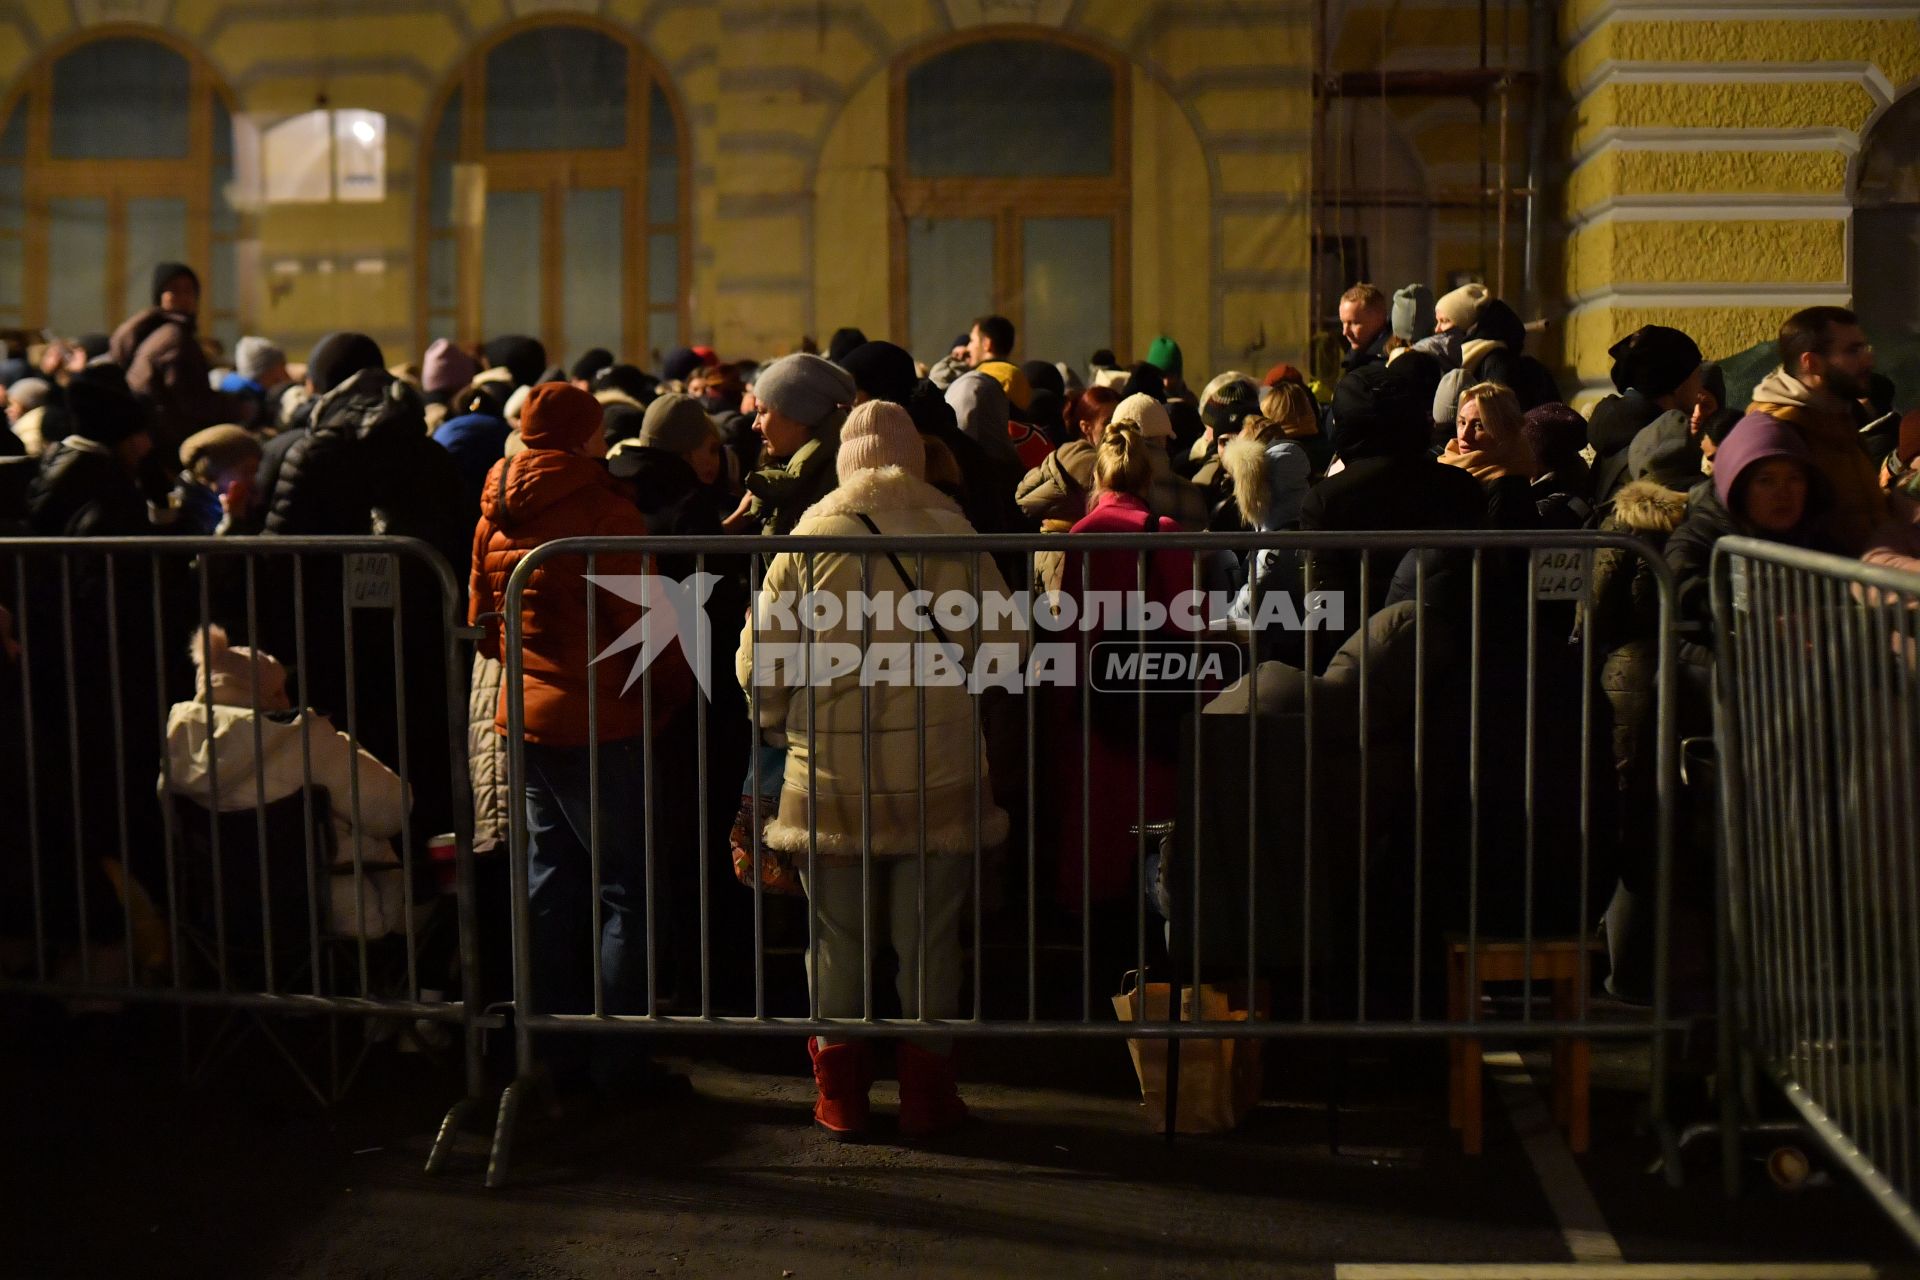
113,1166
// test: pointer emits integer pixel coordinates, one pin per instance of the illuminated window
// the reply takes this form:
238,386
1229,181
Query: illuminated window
326,155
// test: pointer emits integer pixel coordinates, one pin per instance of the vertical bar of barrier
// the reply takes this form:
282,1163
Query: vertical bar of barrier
1419,765
1140,783
809,640
1086,802
458,666
526,1008
406,778
1473,807
119,763
597,872
1842,869
259,766
650,920
1582,963
1366,786
1898,615
1732,676
303,691
866,808
1667,718
27,755
703,708
756,583
1306,804
353,782
1531,813
213,785
1872,893
1197,840
73,764
1775,906
167,817
1029,697
920,814
974,748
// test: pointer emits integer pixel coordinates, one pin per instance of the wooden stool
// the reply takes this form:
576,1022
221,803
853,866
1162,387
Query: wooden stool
1556,961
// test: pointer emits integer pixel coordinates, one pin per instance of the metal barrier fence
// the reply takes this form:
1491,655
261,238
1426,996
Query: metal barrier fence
1400,780
1818,707
113,761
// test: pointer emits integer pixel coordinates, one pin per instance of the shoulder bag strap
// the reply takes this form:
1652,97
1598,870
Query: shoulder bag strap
905,577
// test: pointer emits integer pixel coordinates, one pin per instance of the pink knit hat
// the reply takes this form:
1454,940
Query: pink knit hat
878,434
446,368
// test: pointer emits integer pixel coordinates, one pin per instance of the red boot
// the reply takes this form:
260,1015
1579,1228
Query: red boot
929,1102
842,1073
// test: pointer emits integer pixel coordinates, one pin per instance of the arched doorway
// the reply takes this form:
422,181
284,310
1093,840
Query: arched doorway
994,212
556,198
1886,242
116,153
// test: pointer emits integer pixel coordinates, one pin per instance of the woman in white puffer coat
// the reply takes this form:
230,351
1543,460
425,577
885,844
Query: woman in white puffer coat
239,680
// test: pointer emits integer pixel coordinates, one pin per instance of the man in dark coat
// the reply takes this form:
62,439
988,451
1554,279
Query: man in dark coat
1656,370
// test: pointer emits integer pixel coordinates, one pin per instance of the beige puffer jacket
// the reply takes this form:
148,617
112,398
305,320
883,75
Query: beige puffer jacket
826,736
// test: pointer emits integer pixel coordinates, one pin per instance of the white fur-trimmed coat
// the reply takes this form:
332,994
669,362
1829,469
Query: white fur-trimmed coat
822,729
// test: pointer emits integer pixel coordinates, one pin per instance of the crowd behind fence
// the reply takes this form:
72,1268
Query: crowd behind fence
1343,828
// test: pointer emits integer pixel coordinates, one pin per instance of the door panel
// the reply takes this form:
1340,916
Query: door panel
950,278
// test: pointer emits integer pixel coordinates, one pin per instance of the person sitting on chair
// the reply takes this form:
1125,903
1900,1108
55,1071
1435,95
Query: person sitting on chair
252,754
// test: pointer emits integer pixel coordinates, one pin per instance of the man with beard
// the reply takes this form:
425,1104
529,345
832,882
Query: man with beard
1825,361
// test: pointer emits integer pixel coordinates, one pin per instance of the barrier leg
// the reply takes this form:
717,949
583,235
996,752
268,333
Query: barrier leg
509,1117
451,1127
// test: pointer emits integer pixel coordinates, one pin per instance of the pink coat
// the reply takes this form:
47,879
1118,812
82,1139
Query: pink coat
1114,767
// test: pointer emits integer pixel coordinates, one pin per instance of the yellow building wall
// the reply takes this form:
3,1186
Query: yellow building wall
1710,165
785,103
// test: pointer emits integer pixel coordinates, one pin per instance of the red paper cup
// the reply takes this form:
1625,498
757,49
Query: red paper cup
443,852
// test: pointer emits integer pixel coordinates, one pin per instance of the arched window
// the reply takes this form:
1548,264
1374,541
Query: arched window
115,155
556,198
1886,241
1011,168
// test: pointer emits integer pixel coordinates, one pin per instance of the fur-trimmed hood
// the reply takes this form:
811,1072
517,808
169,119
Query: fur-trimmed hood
1646,506
878,490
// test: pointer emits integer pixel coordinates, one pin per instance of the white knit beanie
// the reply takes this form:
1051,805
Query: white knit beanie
1462,306
1146,413
879,434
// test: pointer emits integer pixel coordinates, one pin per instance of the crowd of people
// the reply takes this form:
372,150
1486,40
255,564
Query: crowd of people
1439,419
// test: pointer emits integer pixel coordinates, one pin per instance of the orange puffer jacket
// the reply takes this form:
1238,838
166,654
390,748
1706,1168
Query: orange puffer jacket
538,496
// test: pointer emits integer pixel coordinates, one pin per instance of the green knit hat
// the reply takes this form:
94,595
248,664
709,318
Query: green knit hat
1164,355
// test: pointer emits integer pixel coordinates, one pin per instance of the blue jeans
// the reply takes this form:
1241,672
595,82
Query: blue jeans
560,877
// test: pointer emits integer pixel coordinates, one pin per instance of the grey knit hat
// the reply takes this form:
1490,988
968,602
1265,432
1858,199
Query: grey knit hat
1413,312
676,423
253,357
804,387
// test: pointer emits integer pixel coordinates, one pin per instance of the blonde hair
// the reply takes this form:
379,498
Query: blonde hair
1291,408
1500,411
1120,464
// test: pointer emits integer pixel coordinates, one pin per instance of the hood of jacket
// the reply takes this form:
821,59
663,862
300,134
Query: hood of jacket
140,326
370,405
534,480
1646,506
1616,420
74,472
1782,388
195,753
1269,480
879,489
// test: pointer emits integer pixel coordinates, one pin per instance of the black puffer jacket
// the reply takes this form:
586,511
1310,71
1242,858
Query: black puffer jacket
366,465
82,491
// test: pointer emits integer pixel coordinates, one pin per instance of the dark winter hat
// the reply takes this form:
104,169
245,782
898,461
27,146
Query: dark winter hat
591,361
680,362
100,407
629,380
842,342
1653,360
1145,379
1713,381
1231,405
676,423
805,388
1499,323
558,415
519,355
1556,432
620,421
882,370
166,273
339,356
1043,375
1378,412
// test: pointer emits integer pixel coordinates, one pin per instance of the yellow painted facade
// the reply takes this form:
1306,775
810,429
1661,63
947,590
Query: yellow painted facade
1701,162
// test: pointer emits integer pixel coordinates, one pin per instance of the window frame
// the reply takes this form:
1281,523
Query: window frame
46,177
553,174
1007,202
